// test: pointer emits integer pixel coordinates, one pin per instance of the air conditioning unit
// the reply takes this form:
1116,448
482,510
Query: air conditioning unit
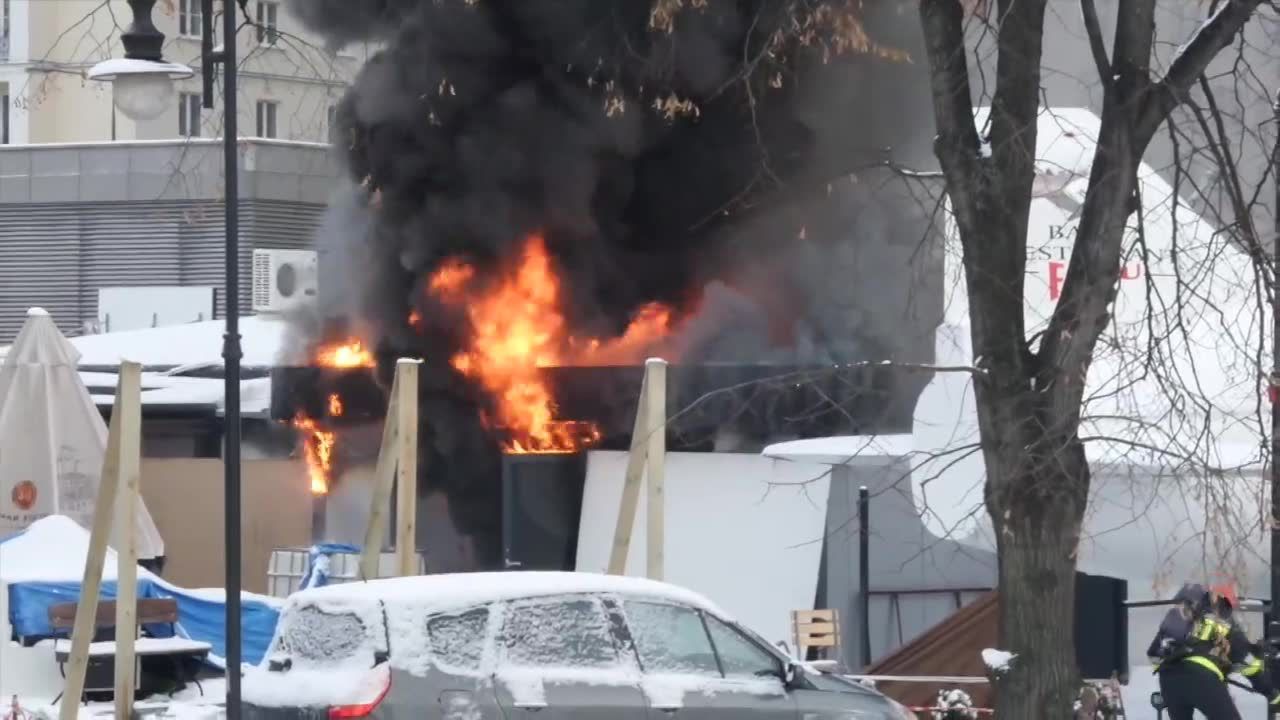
283,280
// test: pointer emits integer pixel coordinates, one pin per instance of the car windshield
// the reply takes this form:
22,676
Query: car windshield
764,644
312,634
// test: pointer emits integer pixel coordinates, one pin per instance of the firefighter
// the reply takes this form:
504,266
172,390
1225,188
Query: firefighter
1197,646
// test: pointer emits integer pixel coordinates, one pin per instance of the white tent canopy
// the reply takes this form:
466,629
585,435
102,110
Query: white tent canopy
1172,418
52,437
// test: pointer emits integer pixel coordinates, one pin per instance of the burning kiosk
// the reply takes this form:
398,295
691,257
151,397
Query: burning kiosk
533,499
512,394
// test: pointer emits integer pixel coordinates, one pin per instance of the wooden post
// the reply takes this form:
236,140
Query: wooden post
647,456
655,400
128,384
127,499
406,467
397,457
632,478
383,475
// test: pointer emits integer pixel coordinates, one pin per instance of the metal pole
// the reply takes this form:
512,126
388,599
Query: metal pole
231,358
864,572
1275,385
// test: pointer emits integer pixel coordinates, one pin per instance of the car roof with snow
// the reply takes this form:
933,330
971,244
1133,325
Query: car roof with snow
452,591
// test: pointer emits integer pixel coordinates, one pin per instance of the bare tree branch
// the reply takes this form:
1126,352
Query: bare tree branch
1192,61
1094,29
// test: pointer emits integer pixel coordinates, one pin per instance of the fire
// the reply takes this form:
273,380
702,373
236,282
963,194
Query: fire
335,405
317,451
350,354
450,279
516,328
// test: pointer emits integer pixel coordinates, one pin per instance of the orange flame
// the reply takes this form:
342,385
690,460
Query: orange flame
335,405
317,451
350,354
448,281
517,327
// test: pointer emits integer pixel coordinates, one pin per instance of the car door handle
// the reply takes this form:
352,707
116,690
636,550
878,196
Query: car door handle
530,706
668,709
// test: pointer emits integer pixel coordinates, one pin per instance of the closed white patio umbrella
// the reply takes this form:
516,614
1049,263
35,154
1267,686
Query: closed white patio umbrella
52,437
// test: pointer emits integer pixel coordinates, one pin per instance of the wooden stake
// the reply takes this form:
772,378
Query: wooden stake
127,553
632,478
407,468
656,415
383,475
128,383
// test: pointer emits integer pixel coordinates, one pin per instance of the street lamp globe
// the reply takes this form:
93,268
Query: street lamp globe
143,89
142,79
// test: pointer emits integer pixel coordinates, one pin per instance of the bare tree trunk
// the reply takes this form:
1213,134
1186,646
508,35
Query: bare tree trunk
1030,398
1037,524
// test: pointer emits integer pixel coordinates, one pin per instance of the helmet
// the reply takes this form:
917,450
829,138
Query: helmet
1226,592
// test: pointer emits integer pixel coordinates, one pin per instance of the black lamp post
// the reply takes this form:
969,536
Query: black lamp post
1273,630
143,89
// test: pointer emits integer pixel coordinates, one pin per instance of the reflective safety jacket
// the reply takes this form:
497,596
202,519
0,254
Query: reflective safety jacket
1217,645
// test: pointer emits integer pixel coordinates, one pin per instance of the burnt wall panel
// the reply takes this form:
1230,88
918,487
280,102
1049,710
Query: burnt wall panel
541,507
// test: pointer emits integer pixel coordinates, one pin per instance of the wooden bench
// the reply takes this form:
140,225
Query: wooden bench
816,629
100,675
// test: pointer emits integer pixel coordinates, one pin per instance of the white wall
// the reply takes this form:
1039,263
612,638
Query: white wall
744,530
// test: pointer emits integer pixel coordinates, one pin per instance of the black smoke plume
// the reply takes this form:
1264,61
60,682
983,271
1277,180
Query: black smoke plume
658,145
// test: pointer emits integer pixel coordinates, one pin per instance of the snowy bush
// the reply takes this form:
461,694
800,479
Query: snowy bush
1098,702
954,705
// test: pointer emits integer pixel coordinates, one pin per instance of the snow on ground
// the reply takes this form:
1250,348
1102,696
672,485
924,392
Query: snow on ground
186,704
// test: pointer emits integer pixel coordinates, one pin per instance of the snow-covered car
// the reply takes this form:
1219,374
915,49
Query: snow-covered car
540,646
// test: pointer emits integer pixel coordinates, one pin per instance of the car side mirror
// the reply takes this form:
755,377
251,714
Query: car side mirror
787,673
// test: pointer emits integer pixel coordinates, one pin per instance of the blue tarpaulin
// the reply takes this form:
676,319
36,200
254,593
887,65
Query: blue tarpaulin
318,562
200,617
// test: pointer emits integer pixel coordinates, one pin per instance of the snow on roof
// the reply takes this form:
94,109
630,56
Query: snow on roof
841,449
453,591
160,390
261,338
52,549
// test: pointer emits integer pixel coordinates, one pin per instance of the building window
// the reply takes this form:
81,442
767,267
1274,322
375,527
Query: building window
333,123
4,29
267,118
189,115
189,18
4,119
268,31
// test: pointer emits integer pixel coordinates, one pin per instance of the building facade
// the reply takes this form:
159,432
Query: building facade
288,82
77,218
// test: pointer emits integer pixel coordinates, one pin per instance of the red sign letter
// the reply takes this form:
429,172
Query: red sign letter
1057,273
1131,272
